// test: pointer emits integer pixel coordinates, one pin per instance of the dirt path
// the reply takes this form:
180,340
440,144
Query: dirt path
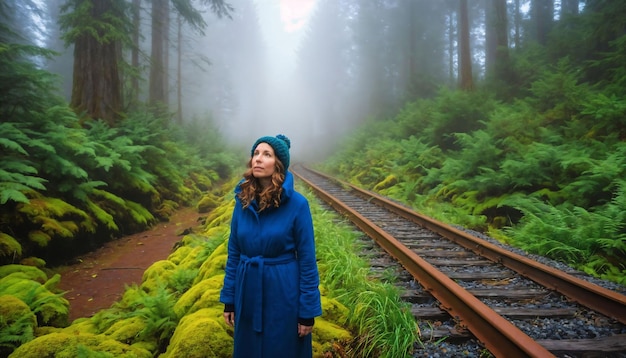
99,279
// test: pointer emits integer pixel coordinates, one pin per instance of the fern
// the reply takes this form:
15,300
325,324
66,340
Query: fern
14,334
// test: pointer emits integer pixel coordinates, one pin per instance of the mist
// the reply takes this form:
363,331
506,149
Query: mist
313,70
253,85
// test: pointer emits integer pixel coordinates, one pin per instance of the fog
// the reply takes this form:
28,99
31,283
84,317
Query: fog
310,69
252,85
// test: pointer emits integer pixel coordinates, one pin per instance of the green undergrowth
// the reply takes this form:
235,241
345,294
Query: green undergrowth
540,178
175,311
67,184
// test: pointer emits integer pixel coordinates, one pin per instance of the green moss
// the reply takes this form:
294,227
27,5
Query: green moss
53,283
207,203
214,264
42,331
158,274
126,330
334,311
139,214
31,273
204,294
177,256
167,209
218,231
51,309
10,249
17,323
64,345
201,334
102,216
389,181
33,261
82,325
194,258
328,332
221,215
39,237
131,295
55,217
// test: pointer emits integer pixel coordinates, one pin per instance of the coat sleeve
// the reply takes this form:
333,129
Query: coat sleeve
309,305
227,295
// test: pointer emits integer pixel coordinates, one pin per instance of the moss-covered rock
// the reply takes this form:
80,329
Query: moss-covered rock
126,330
214,264
207,203
51,308
326,335
199,335
10,248
17,324
29,272
220,216
177,256
194,258
33,261
64,345
158,274
205,294
334,311
81,325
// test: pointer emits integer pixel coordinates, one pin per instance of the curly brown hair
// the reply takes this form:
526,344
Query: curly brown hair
266,197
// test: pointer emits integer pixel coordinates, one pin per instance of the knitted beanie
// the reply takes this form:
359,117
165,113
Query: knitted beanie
280,144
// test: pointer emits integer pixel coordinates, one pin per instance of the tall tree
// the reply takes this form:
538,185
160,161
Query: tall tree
159,58
569,7
157,90
497,40
97,29
466,81
542,12
452,50
517,19
420,46
134,82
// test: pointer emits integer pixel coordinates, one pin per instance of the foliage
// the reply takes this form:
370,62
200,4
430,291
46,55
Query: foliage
346,277
63,181
547,168
28,300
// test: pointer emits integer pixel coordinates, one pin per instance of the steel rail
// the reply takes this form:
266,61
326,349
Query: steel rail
498,335
610,303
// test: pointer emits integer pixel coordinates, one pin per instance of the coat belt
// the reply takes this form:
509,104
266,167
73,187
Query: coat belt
245,272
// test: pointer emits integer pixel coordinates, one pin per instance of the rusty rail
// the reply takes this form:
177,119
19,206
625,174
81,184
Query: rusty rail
610,303
498,335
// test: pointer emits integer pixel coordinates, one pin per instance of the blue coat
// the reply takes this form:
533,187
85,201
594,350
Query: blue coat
271,276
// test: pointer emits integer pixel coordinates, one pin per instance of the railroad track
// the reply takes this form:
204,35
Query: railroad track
464,287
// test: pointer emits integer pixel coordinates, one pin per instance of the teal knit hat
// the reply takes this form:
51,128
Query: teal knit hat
280,144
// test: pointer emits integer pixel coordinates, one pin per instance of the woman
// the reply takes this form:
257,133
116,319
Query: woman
270,292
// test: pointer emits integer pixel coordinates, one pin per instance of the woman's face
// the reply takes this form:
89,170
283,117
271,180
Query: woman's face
263,161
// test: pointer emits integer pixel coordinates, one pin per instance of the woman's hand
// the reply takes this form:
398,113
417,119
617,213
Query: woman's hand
229,317
304,330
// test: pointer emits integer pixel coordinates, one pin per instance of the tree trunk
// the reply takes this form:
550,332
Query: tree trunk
497,30
543,14
96,87
451,49
518,24
465,58
569,7
491,45
179,75
157,69
134,80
